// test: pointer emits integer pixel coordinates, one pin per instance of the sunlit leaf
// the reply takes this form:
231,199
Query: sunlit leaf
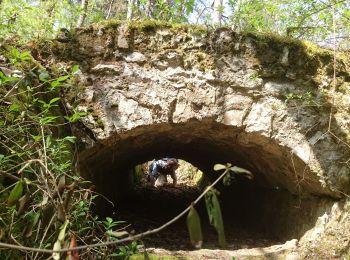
62,233
215,215
56,246
118,234
54,100
14,107
75,69
27,181
62,78
194,228
71,139
28,230
36,138
15,193
48,120
247,173
25,56
218,167
44,201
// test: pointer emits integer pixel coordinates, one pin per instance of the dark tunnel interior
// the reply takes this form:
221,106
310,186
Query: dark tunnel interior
272,207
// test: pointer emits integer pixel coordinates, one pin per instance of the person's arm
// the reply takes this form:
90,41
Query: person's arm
173,176
154,171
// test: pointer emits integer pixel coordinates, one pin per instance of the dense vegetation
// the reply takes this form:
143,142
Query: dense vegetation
317,21
44,202
41,195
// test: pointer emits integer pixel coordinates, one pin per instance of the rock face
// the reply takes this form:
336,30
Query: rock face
269,105
267,102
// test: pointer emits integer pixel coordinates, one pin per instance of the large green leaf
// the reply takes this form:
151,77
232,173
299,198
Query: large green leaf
215,215
56,246
194,228
15,193
62,231
247,173
218,167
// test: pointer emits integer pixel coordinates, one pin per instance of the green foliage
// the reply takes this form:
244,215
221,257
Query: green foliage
308,20
215,216
194,228
40,191
213,207
231,171
125,252
75,117
60,240
292,96
15,193
122,252
16,56
109,223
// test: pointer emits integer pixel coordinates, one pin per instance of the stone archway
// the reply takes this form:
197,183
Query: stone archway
277,195
258,102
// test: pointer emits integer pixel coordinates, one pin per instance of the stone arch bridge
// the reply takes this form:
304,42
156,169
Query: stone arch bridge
263,103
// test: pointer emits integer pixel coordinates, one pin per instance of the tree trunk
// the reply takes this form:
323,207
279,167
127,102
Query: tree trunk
130,8
81,19
217,16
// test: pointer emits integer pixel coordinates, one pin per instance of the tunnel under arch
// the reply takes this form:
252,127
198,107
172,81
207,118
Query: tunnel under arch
284,199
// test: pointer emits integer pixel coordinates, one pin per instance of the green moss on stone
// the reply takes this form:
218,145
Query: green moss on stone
312,50
149,25
113,23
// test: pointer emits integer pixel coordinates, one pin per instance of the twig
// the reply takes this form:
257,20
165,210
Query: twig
334,72
109,9
45,233
121,241
14,87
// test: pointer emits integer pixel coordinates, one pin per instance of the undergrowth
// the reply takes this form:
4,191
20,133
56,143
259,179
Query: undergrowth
44,203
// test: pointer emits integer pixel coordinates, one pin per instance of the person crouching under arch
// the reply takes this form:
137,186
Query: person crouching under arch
159,169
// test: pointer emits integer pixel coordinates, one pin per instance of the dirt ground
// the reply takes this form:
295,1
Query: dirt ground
152,207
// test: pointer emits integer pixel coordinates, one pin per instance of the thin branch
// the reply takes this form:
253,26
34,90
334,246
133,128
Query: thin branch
81,19
45,233
334,72
109,9
14,87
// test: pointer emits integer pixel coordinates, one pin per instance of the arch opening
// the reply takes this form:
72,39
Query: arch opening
282,201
